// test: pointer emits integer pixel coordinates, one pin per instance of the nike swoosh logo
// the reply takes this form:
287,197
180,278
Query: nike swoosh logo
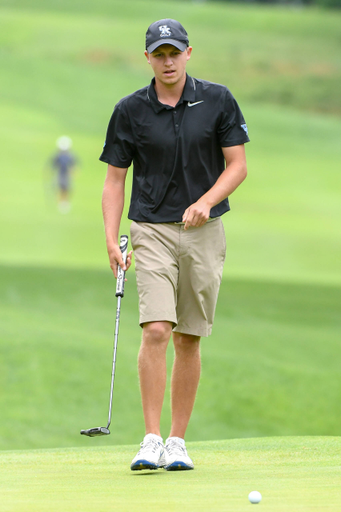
196,103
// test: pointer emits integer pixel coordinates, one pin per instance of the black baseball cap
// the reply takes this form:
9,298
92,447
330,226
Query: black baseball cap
166,31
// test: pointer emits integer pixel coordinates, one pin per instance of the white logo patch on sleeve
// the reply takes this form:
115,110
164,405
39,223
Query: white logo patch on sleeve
245,129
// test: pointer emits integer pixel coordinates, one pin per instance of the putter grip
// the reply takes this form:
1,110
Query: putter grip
121,273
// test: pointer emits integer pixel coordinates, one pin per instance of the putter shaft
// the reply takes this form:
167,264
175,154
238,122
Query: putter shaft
102,431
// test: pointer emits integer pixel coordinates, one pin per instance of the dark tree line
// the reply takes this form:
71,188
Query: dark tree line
321,3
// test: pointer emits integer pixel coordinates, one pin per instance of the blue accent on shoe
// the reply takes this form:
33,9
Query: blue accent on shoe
143,464
178,465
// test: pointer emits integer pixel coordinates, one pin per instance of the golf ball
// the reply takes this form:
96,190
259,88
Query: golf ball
255,497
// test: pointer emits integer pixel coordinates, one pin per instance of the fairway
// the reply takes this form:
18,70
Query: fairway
292,474
270,385
271,366
63,70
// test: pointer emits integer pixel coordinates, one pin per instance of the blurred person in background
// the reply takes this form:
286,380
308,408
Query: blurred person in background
63,165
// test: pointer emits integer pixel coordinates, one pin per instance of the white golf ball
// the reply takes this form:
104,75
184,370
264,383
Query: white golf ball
255,497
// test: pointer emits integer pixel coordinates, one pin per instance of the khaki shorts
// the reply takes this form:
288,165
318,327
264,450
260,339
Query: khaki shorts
179,273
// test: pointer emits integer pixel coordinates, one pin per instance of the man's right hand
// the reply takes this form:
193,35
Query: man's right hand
115,259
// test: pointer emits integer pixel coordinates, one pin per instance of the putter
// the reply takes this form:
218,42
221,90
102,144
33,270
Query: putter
104,431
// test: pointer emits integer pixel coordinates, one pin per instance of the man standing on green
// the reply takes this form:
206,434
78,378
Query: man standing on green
185,138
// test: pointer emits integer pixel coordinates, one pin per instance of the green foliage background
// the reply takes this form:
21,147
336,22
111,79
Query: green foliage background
296,3
271,365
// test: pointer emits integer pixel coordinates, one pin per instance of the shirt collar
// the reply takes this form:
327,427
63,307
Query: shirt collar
188,94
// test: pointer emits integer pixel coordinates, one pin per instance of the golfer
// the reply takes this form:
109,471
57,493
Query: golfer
185,138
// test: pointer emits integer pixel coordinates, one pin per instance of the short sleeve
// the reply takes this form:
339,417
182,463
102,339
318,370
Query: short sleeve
232,129
118,148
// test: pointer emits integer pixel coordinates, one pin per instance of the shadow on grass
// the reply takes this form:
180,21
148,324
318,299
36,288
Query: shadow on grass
148,473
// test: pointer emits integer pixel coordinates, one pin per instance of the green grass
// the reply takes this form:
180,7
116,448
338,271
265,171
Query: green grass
64,68
260,51
271,366
294,473
284,222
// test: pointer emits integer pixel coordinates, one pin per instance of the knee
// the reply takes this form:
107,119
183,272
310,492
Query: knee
186,342
157,332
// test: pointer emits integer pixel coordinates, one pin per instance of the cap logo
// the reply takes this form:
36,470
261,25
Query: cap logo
164,31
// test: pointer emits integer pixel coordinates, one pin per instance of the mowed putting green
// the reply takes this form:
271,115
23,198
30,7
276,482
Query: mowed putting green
292,474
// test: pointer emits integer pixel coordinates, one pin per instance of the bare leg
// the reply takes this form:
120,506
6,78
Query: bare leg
185,380
153,372
63,202
64,195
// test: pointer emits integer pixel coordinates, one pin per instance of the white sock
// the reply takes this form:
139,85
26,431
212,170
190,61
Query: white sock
178,439
157,438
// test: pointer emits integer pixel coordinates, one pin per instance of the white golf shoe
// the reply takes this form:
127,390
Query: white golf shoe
176,455
151,455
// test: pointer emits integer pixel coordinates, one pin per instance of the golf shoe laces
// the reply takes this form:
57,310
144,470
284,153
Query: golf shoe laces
175,448
151,444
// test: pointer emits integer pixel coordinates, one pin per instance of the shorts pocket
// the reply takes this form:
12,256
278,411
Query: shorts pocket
134,234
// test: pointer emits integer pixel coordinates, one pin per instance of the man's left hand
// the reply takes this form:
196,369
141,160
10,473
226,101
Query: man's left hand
197,214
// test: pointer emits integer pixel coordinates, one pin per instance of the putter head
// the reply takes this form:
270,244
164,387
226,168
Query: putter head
97,431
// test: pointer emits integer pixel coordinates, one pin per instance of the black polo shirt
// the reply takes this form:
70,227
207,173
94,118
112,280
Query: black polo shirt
176,151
